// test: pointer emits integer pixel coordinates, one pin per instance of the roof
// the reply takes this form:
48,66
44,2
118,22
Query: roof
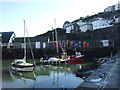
86,24
6,36
118,2
21,39
117,16
41,38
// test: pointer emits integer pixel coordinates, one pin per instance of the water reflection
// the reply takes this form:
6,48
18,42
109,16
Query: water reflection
45,76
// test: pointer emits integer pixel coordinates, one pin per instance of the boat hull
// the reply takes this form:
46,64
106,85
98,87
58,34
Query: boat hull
76,60
53,62
23,68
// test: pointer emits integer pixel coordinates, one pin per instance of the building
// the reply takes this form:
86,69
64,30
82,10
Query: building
7,39
110,8
117,18
74,26
101,23
69,28
80,23
117,6
66,24
86,27
19,42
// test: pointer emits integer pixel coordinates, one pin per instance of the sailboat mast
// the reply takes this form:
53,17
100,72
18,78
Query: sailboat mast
24,43
52,34
56,36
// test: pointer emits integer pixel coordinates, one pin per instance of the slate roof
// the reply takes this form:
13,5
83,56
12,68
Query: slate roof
21,39
117,16
41,38
6,36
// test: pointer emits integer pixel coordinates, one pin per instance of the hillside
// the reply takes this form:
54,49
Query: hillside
102,15
110,33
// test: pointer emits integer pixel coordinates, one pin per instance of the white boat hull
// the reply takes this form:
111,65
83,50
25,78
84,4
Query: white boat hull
23,69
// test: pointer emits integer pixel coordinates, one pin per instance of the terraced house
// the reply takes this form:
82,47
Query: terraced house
7,39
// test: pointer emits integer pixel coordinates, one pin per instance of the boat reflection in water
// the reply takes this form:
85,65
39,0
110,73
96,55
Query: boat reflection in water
46,76
23,77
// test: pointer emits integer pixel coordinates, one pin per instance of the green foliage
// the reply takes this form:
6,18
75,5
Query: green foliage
102,15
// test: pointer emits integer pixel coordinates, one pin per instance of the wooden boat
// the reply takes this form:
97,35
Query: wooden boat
21,64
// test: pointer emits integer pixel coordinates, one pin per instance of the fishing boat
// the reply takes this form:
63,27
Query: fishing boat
78,57
21,64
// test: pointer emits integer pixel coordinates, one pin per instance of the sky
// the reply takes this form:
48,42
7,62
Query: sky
40,14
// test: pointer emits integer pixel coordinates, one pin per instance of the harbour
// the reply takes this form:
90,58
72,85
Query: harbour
44,76
70,54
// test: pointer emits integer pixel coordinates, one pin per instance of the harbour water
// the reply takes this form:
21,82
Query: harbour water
44,76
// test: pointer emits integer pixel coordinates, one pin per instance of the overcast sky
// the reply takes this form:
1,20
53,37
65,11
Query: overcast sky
39,14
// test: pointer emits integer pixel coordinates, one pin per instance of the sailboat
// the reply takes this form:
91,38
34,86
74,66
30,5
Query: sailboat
54,59
21,64
76,58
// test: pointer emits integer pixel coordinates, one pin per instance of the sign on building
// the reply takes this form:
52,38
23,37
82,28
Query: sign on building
22,45
37,45
44,45
105,43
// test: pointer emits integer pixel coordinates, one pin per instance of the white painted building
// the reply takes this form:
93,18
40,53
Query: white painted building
110,8
80,23
74,26
66,24
101,23
86,27
117,6
7,38
117,18
69,28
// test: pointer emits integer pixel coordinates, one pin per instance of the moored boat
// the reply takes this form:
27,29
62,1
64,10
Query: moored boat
78,57
21,64
53,60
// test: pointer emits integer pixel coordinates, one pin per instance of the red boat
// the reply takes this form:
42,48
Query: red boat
76,58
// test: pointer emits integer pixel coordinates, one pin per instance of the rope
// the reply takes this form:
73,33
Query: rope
30,46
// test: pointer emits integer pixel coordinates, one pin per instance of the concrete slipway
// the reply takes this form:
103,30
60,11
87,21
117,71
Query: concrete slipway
107,76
